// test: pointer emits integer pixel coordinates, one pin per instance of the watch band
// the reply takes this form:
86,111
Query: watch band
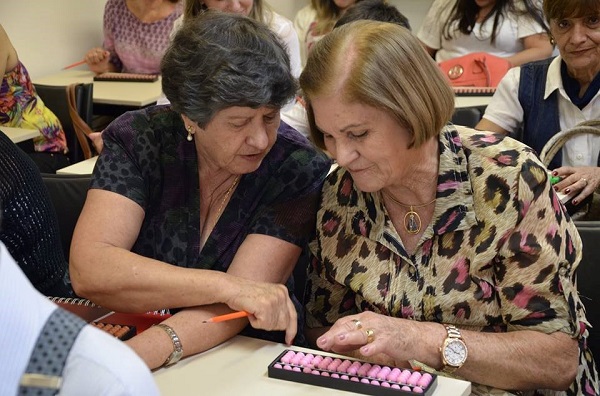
453,336
177,353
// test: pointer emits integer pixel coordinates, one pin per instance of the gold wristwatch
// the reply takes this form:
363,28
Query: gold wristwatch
454,350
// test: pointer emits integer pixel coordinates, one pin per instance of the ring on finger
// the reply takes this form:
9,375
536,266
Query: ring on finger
370,335
357,324
584,180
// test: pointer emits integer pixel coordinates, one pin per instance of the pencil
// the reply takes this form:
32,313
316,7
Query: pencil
229,316
74,65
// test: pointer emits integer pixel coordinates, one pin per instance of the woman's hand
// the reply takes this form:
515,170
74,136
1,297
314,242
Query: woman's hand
268,304
97,60
582,179
371,334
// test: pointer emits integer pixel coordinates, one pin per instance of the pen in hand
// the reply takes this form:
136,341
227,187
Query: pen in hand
229,316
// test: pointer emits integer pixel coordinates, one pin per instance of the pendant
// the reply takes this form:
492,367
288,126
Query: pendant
412,222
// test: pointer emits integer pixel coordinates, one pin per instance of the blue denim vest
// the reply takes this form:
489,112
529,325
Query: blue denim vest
540,121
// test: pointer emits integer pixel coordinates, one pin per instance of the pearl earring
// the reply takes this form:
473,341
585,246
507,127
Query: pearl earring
189,129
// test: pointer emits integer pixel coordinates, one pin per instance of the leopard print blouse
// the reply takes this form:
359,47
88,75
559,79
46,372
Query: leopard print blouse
500,254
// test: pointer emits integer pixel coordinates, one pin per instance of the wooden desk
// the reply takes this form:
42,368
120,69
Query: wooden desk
18,135
239,367
467,101
85,167
135,94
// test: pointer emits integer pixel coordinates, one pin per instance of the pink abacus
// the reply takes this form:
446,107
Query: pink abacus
350,374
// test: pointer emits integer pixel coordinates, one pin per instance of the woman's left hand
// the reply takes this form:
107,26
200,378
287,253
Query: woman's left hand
581,179
373,334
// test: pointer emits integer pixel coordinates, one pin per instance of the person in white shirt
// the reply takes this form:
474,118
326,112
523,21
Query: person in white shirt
316,20
563,91
255,9
510,29
98,364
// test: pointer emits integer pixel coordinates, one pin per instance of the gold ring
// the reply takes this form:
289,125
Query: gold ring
357,324
370,335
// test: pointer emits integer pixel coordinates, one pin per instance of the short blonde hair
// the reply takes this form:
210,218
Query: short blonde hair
382,65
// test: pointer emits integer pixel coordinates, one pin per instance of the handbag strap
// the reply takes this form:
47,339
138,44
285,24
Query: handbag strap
556,142
481,61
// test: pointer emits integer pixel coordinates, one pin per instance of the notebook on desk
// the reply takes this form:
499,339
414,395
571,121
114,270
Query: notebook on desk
126,77
474,91
101,317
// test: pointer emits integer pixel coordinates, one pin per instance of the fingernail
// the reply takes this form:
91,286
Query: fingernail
575,202
555,173
321,341
555,188
568,190
342,336
365,350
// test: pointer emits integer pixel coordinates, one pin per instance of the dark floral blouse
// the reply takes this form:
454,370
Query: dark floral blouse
147,159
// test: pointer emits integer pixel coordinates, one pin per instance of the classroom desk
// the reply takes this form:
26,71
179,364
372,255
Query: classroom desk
469,101
85,167
134,94
239,367
18,135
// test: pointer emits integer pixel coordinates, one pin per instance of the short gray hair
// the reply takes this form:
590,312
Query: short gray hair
219,60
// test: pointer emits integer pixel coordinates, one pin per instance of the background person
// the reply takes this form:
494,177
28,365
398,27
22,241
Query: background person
430,246
21,107
510,29
255,9
205,204
316,20
540,99
136,36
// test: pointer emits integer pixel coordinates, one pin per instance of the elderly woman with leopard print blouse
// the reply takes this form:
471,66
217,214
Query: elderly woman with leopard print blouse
437,245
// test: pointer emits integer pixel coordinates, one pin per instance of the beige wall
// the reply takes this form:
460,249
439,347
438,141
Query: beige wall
50,34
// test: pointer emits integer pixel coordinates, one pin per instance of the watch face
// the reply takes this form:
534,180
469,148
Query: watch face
455,353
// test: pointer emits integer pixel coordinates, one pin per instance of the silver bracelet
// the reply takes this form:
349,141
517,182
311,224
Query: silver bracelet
177,353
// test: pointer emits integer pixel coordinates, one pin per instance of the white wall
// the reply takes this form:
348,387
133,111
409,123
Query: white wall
50,34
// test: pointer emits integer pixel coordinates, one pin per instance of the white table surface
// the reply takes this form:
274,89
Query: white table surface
471,101
239,367
18,135
136,94
85,167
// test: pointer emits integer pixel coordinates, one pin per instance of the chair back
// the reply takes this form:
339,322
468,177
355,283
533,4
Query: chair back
588,280
68,194
80,125
466,116
56,99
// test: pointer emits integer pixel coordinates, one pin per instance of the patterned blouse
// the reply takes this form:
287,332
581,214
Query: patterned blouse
499,254
21,107
136,46
147,159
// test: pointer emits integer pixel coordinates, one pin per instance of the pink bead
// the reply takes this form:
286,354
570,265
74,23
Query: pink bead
383,373
353,369
324,363
317,360
406,388
417,389
354,379
414,378
395,386
425,380
374,370
297,359
364,380
307,370
298,369
404,376
316,372
344,377
288,357
277,366
393,376
344,365
364,369
385,385
287,367
324,374
335,375
374,382
333,366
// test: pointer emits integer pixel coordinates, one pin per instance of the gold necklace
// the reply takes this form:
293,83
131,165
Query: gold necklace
412,220
229,190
